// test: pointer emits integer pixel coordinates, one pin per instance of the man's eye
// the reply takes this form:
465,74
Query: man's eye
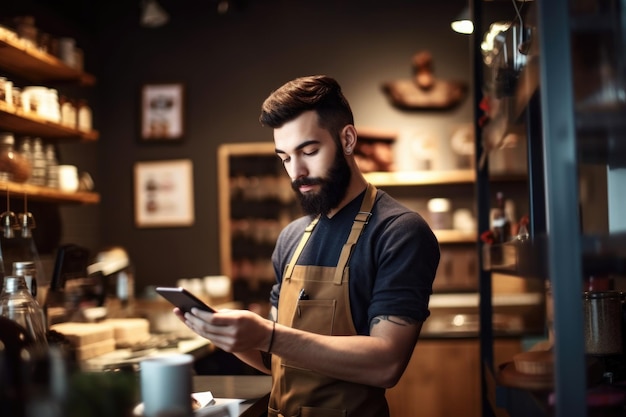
311,153
284,161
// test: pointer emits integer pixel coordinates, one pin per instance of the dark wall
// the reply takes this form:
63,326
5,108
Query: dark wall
229,64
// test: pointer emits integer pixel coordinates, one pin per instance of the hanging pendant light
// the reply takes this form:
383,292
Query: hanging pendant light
152,14
463,22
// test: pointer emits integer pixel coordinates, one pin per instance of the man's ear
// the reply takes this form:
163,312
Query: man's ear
348,139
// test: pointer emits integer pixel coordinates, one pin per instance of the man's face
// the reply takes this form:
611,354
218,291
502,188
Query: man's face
315,163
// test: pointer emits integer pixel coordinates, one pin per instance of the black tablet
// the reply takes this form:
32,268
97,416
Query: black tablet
183,299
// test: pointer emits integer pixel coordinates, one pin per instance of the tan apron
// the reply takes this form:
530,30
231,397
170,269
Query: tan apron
301,392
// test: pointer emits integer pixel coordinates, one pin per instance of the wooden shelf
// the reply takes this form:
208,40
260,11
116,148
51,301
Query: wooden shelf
408,178
31,124
455,236
398,178
25,60
37,193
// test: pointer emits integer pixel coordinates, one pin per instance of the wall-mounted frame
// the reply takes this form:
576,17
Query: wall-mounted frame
164,193
162,112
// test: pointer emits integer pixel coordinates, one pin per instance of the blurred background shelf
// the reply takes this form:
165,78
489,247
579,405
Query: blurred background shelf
26,60
47,194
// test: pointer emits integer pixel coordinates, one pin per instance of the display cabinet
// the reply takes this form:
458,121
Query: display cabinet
255,202
570,97
27,62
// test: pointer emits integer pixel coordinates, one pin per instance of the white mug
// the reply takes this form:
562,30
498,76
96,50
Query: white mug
166,385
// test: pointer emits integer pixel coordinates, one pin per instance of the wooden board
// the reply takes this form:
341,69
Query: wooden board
80,334
509,376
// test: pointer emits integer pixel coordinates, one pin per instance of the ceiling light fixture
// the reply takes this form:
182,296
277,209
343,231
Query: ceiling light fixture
223,6
152,14
463,22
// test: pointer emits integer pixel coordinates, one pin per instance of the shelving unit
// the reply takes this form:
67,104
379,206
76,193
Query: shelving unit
569,138
22,58
28,62
255,201
23,123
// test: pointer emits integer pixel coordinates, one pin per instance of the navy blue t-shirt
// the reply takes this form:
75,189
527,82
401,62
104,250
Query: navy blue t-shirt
392,267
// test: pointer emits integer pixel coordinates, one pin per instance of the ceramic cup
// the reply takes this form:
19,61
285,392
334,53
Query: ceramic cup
166,386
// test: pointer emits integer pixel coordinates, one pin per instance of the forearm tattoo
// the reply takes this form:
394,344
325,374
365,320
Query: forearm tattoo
399,320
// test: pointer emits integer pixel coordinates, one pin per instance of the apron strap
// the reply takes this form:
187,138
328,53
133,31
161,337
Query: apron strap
300,247
360,220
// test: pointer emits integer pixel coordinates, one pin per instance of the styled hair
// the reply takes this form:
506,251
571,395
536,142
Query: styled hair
319,93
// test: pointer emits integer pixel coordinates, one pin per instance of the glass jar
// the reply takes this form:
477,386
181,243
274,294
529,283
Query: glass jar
17,98
84,116
52,166
3,88
7,141
17,304
13,166
602,322
68,113
39,163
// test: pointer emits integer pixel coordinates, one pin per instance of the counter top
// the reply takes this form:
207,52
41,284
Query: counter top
252,389
197,347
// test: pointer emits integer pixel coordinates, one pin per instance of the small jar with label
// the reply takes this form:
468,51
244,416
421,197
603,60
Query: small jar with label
68,112
17,98
3,88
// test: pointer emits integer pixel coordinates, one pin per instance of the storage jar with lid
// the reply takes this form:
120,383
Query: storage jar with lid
602,322
13,166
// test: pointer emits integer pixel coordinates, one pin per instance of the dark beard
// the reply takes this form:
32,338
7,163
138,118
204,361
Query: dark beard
333,188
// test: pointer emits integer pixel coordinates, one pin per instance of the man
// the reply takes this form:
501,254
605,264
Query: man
353,276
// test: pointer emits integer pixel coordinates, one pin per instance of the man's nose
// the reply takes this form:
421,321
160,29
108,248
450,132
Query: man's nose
297,169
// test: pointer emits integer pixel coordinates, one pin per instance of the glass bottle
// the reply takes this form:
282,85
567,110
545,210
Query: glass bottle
28,270
17,304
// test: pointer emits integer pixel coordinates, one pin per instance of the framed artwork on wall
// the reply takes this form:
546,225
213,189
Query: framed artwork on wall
162,112
164,193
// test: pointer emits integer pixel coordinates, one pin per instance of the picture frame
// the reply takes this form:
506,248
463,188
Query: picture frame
164,193
162,112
